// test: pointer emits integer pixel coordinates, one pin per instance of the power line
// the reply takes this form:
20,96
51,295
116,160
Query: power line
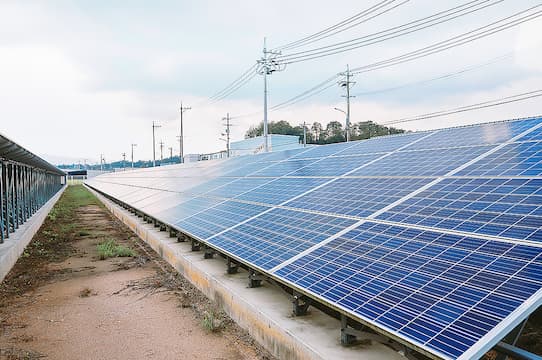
420,53
481,105
454,41
340,27
235,85
440,77
391,33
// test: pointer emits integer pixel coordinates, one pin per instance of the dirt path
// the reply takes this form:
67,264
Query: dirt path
61,302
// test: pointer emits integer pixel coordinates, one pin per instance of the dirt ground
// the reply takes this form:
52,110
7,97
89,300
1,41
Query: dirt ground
61,302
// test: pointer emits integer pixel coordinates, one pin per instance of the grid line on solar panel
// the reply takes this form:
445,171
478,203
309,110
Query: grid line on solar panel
358,197
210,221
422,162
516,159
276,235
390,305
382,144
479,134
505,207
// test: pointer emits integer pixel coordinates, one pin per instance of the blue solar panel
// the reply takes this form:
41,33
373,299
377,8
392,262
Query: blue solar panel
485,134
382,144
500,207
318,152
280,190
335,166
357,196
422,163
278,235
442,292
518,159
211,221
282,168
238,187
474,269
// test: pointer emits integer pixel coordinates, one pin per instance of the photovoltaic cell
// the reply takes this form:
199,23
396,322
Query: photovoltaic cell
281,190
382,144
238,187
503,207
282,168
441,291
278,235
358,196
519,159
485,134
422,163
335,166
218,218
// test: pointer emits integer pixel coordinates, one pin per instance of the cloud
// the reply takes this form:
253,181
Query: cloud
529,45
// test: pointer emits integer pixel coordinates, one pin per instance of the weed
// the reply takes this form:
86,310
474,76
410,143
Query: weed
210,321
86,292
110,248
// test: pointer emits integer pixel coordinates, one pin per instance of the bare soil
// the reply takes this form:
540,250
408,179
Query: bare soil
61,302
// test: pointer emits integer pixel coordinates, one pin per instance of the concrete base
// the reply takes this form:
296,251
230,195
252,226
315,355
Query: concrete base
14,246
265,312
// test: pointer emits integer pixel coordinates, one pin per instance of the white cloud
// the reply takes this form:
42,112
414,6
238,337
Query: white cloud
529,45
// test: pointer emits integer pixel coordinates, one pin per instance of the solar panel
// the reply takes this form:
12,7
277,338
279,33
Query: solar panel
433,237
443,292
504,207
277,235
357,196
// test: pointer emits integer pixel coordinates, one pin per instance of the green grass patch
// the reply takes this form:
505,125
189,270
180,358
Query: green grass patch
110,248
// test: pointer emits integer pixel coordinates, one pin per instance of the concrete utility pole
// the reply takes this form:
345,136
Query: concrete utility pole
102,162
304,134
181,140
124,161
154,144
133,145
268,65
161,151
347,84
227,133
171,153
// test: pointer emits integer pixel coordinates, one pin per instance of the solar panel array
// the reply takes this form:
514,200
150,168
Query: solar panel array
434,238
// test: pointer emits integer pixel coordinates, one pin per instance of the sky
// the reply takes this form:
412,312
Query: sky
84,78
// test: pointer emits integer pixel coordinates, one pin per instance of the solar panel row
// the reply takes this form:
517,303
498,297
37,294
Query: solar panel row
433,237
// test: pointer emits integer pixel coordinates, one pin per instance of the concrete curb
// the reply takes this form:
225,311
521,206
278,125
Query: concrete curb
264,312
14,246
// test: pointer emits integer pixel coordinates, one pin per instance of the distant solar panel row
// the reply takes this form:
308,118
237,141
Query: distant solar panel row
434,237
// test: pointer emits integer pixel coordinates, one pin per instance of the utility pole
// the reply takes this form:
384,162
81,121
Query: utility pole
102,162
347,84
227,133
133,145
268,65
171,153
181,141
161,152
304,134
124,161
154,144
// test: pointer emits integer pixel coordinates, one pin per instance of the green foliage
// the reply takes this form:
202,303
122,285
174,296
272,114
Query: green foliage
332,133
110,248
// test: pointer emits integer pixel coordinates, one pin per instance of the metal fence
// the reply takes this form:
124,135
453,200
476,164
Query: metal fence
27,182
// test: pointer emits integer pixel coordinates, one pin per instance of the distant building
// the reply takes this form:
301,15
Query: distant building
256,145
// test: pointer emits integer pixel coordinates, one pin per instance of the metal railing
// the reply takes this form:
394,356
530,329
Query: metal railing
27,182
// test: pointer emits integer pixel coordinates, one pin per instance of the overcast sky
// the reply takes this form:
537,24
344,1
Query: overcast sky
80,78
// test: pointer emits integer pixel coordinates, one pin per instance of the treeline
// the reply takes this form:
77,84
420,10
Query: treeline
333,132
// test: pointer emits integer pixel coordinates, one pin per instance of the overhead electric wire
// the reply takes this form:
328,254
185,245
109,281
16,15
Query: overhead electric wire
481,105
340,30
440,77
389,34
454,41
340,24
425,51
234,85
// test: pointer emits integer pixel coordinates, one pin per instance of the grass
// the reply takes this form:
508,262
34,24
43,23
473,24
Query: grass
211,322
110,248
